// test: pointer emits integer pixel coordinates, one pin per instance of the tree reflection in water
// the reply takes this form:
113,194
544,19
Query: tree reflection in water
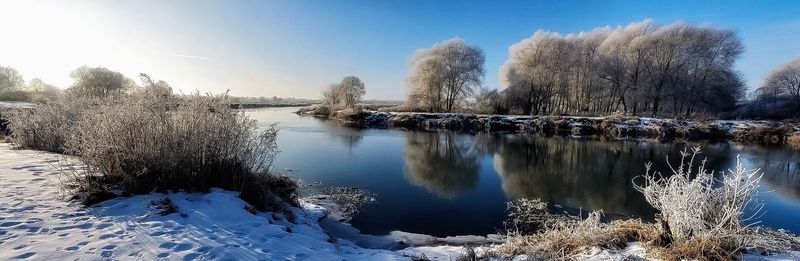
575,173
443,163
781,169
587,174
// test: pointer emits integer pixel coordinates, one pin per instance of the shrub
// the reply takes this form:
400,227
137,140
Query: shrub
142,143
317,110
46,126
692,206
528,215
704,217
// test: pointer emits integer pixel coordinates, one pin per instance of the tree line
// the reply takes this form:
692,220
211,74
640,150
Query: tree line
779,96
640,69
93,82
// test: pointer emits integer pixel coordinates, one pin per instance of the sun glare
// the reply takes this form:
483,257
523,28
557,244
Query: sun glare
50,39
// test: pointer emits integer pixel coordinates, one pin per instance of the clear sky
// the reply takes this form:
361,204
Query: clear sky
294,48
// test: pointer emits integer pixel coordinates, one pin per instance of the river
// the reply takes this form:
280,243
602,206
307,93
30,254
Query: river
447,184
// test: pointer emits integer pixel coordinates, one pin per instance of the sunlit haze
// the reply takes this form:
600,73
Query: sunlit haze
295,48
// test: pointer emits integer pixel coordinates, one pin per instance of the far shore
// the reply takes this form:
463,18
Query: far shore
615,127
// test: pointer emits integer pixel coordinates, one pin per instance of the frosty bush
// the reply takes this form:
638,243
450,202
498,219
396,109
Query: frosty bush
694,205
47,126
142,143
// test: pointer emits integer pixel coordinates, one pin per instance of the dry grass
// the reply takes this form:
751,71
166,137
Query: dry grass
142,144
764,134
567,238
794,140
47,126
402,108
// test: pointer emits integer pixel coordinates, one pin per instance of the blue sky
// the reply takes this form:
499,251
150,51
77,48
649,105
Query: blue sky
295,48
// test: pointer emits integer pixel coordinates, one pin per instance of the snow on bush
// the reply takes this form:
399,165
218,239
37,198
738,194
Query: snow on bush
693,204
141,144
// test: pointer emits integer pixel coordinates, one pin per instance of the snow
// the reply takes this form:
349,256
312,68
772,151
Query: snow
14,104
36,224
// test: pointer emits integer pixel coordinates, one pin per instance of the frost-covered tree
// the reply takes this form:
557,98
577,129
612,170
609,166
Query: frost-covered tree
445,74
10,79
637,69
331,95
41,91
353,90
348,92
779,94
490,101
160,89
99,82
784,82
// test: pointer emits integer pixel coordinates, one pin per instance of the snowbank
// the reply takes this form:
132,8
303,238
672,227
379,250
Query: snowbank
36,224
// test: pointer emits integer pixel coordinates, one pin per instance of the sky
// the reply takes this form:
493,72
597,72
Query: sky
295,48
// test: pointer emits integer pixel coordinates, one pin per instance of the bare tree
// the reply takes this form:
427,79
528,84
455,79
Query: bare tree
445,74
347,92
784,81
41,91
490,101
331,95
160,89
641,68
353,90
99,82
10,79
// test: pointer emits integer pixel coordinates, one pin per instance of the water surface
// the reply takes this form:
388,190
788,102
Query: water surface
447,184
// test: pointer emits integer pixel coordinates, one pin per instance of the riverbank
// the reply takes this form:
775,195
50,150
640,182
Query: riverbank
765,132
36,223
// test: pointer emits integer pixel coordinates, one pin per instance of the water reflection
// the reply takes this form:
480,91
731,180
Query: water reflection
584,174
587,174
442,163
781,169
452,184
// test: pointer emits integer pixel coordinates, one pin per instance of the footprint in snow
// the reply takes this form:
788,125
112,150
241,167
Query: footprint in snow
104,225
192,256
25,256
106,236
183,247
10,224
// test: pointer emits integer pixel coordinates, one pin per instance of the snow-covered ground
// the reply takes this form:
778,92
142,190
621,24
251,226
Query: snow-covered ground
14,104
36,224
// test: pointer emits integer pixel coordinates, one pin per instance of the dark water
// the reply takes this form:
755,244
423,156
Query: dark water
447,184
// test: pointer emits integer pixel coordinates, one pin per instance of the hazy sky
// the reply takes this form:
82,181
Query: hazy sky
295,48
